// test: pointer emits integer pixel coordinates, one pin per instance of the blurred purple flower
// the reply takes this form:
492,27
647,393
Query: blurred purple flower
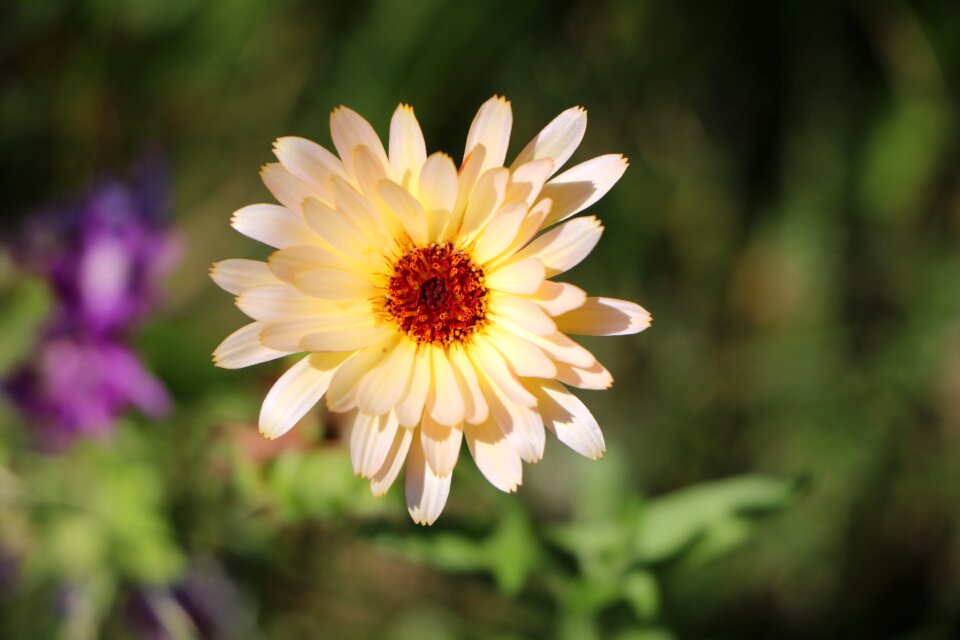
105,257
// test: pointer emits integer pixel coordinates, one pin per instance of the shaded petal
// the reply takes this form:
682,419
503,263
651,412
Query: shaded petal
576,189
595,376
487,197
410,408
563,248
521,425
524,358
491,364
289,190
371,438
522,312
243,348
392,463
296,391
499,233
557,298
445,401
342,395
336,284
426,491
237,274
527,181
565,415
520,276
287,263
441,445
406,208
558,140
491,128
381,388
605,317
438,183
474,404
494,455
558,346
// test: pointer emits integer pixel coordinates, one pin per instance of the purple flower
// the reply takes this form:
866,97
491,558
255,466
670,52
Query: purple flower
105,257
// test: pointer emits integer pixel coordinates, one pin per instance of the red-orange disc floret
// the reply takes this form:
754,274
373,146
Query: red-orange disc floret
436,294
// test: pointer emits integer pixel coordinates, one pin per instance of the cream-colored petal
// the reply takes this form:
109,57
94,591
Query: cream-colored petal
336,284
527,181
605,317
273,225
396,456
487,197
342,395
525,359
279,302
438,183
382,387
490,364
445,400
287,263
243,348
565,415
494,455
309,162
528,229
558,140
410,408
289,190
499,233
349,130
595,376
576,189
558,346
368,170
558,298
357,208
441,445
563,248
470,171
237,274
491,128
426,491
339,231
407,210
521,425
371,438
408,151
364,333
522,312
475,408
521,276
296,391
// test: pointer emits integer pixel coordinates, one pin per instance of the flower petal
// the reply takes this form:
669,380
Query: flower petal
558,140
475,408
426,491
521,425
487,197
392,463
491,128
349,130
491,363
520,276
364,332
309,162
438,183
557,298
371,438
524,358
522,312
445,401
605,317
563,248
237,274
494,455
273,225
565,415
279,302
595,376
410,408
406,208
558,346
576,189
342,395
527,181
287,263
499,233
335,284
441,445
296,391
243,348
380,389
407,147
289,190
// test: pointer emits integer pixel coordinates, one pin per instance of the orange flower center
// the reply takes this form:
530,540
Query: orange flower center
436,294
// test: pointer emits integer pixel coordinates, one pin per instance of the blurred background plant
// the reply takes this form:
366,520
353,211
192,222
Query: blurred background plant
782,443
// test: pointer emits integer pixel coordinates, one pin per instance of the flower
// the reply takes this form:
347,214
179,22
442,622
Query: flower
104,257
423,296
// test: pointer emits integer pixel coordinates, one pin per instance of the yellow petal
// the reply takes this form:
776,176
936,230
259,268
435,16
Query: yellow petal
310,163
407,147
438,183
521,276
336,284
445,401
410,408
522,312
289,190
557,298
349,130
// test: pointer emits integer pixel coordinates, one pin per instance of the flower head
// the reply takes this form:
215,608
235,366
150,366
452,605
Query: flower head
423,294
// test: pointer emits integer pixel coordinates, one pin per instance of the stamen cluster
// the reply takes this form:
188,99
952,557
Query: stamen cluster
436,294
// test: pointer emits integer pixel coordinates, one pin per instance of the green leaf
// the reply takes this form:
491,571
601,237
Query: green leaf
673,522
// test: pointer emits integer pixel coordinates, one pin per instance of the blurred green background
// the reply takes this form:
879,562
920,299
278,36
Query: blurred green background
783,443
